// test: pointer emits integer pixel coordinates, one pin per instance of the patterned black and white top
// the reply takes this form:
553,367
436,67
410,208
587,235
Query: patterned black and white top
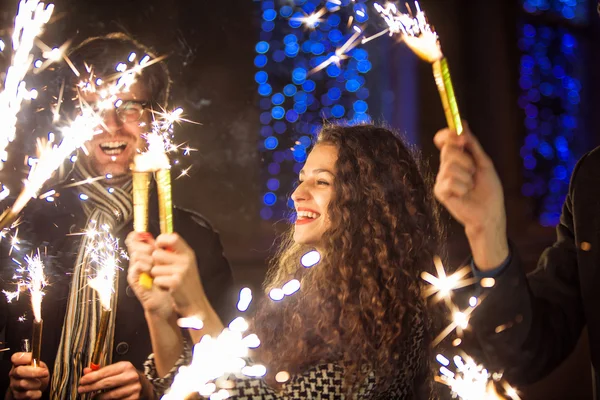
325,381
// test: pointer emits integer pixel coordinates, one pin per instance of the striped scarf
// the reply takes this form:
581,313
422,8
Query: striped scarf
82,318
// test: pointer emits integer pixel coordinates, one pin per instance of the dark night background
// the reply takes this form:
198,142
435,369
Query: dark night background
211,50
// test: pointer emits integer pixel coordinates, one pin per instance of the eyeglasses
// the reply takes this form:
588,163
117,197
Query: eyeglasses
127,111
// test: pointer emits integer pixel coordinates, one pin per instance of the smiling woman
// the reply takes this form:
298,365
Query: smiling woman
363,203
359,324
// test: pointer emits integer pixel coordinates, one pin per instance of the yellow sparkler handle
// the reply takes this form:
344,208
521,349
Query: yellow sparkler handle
100,339
36,342
141,198
441,73
165,200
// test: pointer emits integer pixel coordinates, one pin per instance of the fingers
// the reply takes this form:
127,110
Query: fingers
125,392
139,237
24,385
173,242
166,282
135,247
26,381
450,155
445,189
112,376
21,358
29,372
162,257
29,394
140,263
466,141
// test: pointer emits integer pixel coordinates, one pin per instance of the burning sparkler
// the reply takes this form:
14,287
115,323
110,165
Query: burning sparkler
471,381
31,277
36,283
156,161
104,253
441,286
214,358
29,21
50,159
424,42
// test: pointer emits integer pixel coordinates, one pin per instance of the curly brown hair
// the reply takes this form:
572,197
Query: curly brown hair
357,307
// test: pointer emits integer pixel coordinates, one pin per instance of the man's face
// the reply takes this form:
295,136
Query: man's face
112,150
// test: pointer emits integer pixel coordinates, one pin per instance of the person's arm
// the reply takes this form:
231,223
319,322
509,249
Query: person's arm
529,325
176,271
524,327
165,335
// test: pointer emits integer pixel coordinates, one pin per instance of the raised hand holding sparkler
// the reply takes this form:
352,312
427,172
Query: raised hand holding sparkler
424,42
156,161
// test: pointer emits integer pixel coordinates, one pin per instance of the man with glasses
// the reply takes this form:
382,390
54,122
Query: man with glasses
70,307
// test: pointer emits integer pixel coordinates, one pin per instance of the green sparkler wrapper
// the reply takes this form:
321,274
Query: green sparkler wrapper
36,342
441,73
100,339
165,200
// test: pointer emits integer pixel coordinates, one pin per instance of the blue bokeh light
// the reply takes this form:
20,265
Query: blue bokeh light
551,69
297,93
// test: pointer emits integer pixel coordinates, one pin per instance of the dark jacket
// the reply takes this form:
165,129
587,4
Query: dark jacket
47,226
527,325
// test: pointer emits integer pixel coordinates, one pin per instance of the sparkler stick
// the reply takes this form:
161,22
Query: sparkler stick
36,282
165,200
36,342
155,160
104,253
424,42
141,192
100,339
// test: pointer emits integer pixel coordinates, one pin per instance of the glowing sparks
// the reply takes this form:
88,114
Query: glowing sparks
276,294
190,323
4,193
159,143
245,298
340,53
442,285
282,376
30,277
184,172
311,20
469,382
291,287
415,30
29,21
51,157
310,259
104,254
252,341
212,359
35,283
238,325
460,322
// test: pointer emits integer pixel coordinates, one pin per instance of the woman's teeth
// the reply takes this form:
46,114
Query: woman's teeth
113,148
308,214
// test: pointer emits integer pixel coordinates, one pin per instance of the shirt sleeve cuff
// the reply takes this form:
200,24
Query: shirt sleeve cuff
162,384
493,273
